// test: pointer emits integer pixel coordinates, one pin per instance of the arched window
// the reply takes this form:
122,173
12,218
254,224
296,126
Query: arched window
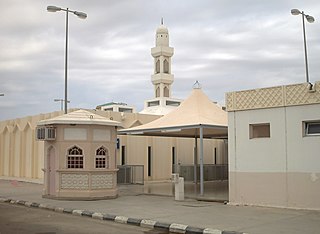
166,92
102,158
158,92
158,66
166,66
75,158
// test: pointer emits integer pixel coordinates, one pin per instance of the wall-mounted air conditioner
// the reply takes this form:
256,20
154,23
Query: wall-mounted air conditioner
45,133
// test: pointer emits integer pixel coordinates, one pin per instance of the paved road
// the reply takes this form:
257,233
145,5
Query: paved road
20,219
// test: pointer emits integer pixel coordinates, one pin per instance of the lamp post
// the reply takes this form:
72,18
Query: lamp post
310,19
61,101
81,15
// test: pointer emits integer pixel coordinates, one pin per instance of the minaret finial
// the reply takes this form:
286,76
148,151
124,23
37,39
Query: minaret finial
161,20
197,85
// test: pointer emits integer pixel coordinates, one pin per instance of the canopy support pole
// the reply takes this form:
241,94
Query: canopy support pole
201,161
195,160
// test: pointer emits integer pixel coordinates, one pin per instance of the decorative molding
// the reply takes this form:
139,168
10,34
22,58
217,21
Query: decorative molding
279,96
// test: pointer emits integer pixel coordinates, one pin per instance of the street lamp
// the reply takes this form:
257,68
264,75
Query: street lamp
1,94
81,15
61,101
310,19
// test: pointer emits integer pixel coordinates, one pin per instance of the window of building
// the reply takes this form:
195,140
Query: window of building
166,66
166,92
261,130
172,103
153,103
158,66
102,158
126,110
158,92
312,128
75,158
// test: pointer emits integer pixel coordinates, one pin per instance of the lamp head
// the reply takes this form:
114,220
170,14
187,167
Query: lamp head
309,18
53,8
81,15
295,12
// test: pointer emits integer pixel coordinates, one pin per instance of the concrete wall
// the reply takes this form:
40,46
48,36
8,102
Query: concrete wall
283,170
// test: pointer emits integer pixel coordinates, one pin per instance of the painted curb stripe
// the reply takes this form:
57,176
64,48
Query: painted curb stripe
58,209
34,204
68,211
147,223
133,221
77,212
121,219
162,226
194,230
178,228
109,217
211,231
97,216
173,227
87,213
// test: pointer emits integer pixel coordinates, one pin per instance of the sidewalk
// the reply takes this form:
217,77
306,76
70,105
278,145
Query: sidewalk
131,204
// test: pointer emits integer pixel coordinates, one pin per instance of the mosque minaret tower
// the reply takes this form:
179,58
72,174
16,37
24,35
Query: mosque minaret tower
162,77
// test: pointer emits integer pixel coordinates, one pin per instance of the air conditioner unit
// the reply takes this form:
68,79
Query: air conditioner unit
45,133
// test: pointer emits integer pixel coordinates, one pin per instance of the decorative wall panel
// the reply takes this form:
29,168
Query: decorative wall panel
104,181
279,96
74,181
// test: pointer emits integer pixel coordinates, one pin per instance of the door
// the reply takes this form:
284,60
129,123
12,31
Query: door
51,172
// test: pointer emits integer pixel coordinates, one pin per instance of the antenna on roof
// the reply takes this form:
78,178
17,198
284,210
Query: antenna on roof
196,85
161,20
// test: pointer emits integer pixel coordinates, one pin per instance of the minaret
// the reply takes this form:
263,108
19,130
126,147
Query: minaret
162,53
162,79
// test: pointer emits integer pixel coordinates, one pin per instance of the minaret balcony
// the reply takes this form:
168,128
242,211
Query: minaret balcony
162,78
162,50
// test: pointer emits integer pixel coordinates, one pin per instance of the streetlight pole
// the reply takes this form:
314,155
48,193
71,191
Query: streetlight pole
310,19
81,15
61,102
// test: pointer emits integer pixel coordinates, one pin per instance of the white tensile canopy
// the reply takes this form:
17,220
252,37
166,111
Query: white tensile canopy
196,117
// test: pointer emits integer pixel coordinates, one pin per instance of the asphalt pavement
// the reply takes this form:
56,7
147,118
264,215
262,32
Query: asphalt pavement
188,216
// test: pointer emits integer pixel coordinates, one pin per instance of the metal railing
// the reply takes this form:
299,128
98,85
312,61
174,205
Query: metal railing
130,174
211,172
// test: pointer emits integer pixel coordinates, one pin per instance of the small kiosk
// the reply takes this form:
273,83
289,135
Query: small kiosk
79,156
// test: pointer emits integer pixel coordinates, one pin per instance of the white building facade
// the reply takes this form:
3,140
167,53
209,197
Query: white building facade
274,146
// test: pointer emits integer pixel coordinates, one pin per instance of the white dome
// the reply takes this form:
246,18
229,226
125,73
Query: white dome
162,29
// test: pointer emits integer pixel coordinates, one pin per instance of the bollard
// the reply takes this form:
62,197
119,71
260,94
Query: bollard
178,187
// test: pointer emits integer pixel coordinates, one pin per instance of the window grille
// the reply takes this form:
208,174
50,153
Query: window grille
75,158
102,158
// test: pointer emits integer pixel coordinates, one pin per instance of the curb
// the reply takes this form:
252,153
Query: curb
172,228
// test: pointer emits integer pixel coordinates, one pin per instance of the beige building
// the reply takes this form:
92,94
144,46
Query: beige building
22,157
274,146
79,156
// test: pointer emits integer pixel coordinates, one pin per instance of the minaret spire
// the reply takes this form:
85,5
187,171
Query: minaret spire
161,20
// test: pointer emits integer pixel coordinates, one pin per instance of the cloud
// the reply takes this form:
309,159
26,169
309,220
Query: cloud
226,45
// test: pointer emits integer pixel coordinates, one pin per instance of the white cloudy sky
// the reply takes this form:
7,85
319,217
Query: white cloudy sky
227,45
